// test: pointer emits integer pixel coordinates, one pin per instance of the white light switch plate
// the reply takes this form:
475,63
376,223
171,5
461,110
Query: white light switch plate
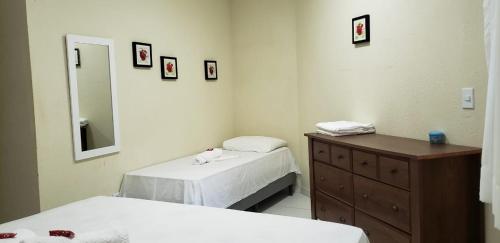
468,98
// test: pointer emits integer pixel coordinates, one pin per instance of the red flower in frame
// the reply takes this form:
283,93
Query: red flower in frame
359,28
170,67
143,54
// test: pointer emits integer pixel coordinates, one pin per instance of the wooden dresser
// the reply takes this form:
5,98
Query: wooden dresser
398,190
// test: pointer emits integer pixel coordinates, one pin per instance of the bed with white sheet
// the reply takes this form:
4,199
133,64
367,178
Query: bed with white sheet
217,184
151,221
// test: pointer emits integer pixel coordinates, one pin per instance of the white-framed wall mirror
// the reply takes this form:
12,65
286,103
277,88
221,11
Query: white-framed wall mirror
94,108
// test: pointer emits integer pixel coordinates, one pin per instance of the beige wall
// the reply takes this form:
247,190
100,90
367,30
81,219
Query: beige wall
18,173
265,69
407,81
159,120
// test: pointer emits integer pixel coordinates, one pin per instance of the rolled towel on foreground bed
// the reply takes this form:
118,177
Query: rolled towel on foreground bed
343,128
19,235
49,239
115,235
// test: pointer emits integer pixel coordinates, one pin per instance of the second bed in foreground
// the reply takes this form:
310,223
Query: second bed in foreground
160,222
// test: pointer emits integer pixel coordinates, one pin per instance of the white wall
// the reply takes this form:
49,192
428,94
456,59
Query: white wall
159,120
18,171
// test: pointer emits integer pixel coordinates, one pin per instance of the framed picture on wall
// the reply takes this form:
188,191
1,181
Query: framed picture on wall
142,53
77,57
210,70
168,67
361,29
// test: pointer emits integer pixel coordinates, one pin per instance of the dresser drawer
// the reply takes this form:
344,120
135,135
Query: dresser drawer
340,157
330,209
385,202
394,172
379,232
364,163
321,151
334,182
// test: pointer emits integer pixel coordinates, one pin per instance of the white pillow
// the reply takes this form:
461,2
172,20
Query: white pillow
254,144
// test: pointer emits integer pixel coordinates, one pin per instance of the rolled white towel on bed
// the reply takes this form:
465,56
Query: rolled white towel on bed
207,156
116,235
21,234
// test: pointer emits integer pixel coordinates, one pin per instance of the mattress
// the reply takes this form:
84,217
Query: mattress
152,221
215,184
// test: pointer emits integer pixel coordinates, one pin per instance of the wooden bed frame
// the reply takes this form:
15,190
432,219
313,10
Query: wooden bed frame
285,182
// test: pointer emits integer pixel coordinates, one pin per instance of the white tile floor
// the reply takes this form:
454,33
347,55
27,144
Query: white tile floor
297,205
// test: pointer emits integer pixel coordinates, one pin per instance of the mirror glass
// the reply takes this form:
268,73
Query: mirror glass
93,96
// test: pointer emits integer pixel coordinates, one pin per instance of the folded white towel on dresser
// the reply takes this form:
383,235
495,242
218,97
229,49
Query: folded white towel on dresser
343,128
339,126
344,133
207,156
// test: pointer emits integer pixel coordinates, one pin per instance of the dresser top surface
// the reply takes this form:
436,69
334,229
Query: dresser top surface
398,146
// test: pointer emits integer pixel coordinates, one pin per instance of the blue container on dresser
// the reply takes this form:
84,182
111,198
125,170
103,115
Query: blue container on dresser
437,137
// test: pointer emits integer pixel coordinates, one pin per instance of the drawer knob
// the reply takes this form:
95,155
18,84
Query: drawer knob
322,178
340,157
394,171
342,219
341,187
365,196
321,151
364,163
322,208
395,208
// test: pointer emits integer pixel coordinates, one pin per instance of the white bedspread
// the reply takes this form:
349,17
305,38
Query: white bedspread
216,184
151,222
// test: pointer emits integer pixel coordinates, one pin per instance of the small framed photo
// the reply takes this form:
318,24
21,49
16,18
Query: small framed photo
210,70
142,54
77,57
361,29
168,67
